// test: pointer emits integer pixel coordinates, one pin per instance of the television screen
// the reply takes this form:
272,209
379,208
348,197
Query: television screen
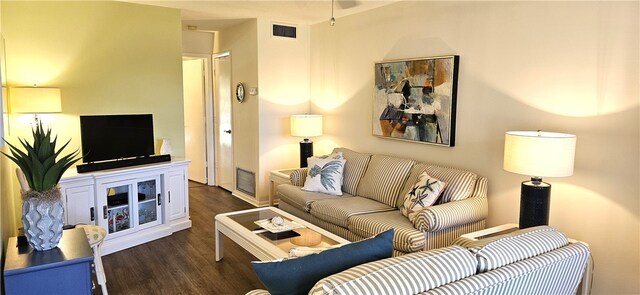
109,137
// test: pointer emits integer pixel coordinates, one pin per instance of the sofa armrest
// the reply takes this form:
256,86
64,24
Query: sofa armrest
258,292
452,214
298,176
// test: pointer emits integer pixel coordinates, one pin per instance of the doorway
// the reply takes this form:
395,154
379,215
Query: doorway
223,121
198,123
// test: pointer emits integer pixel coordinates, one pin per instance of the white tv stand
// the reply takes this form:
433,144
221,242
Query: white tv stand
135,204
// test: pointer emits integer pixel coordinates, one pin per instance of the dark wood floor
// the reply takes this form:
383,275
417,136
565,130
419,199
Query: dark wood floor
184,263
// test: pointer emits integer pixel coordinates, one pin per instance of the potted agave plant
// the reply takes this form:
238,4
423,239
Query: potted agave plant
42,209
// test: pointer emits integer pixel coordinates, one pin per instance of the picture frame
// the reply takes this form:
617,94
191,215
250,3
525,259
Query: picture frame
415,99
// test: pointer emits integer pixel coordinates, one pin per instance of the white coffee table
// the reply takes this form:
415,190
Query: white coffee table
239,226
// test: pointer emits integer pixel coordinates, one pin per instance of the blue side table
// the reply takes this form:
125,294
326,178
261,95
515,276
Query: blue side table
62,270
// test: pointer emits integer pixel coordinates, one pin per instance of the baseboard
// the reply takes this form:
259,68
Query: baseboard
144,236
180,225
242,196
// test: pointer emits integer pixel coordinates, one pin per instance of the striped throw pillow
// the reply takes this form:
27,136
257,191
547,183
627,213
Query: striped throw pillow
423,194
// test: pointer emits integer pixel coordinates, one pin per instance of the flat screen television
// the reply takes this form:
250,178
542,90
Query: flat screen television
111,137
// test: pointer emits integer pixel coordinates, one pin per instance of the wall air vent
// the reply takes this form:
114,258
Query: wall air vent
283,31
246,181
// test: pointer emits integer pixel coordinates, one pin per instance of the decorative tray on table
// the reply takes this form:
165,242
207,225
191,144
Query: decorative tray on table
285,225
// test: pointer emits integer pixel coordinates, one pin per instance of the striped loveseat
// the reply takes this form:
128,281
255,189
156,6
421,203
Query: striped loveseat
373,189
537,260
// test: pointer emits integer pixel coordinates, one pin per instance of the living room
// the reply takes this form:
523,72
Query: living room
567,67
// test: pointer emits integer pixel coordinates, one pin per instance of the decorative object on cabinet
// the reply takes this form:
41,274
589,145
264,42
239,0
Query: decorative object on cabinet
415,99
165,147
538,154
306,126
35,100
39,173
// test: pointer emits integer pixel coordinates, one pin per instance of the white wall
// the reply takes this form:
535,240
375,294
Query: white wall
281,66
242,41
197,42
557,66
283,76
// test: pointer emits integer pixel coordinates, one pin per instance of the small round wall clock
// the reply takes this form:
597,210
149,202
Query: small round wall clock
240,92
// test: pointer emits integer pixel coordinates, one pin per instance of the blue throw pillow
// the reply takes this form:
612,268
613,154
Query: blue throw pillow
297,276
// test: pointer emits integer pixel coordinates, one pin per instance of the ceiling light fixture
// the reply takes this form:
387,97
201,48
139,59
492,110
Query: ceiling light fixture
332,21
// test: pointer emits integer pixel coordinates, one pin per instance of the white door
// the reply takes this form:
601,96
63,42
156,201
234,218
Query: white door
194,118
223,123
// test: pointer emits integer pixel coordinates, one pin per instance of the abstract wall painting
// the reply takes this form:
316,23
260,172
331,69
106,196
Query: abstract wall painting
415,100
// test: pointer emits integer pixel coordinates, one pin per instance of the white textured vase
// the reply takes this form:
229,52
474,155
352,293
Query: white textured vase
165,148
42,219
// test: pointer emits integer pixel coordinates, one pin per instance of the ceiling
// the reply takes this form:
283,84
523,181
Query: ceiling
214,15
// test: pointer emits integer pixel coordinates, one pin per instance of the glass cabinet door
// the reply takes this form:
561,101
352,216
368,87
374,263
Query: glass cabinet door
118,208
149,202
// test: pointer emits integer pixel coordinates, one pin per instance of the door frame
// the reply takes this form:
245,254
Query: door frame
208,109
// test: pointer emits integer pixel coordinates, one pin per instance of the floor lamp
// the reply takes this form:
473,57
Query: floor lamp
538,154
306,126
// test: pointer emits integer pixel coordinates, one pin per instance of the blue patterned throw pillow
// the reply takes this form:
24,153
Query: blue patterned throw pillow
325,176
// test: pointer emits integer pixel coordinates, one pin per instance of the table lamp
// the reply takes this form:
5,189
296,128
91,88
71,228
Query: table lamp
34,100
306,126
538,154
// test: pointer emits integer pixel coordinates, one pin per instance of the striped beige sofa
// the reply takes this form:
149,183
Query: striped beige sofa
373,189
538,260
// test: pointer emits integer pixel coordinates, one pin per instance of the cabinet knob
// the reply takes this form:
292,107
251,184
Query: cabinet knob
228,131
104,212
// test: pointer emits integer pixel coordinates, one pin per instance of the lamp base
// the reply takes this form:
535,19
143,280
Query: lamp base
534,203
306,151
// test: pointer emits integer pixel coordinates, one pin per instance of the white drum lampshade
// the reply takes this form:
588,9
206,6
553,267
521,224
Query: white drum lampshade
34,100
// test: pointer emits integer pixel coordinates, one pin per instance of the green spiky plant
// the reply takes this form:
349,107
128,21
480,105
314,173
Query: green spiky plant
38,163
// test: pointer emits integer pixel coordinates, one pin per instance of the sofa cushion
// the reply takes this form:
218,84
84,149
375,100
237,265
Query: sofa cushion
353,169
407,239
384,179
504,249
409,274
297,276
338,211
460,183
300,199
